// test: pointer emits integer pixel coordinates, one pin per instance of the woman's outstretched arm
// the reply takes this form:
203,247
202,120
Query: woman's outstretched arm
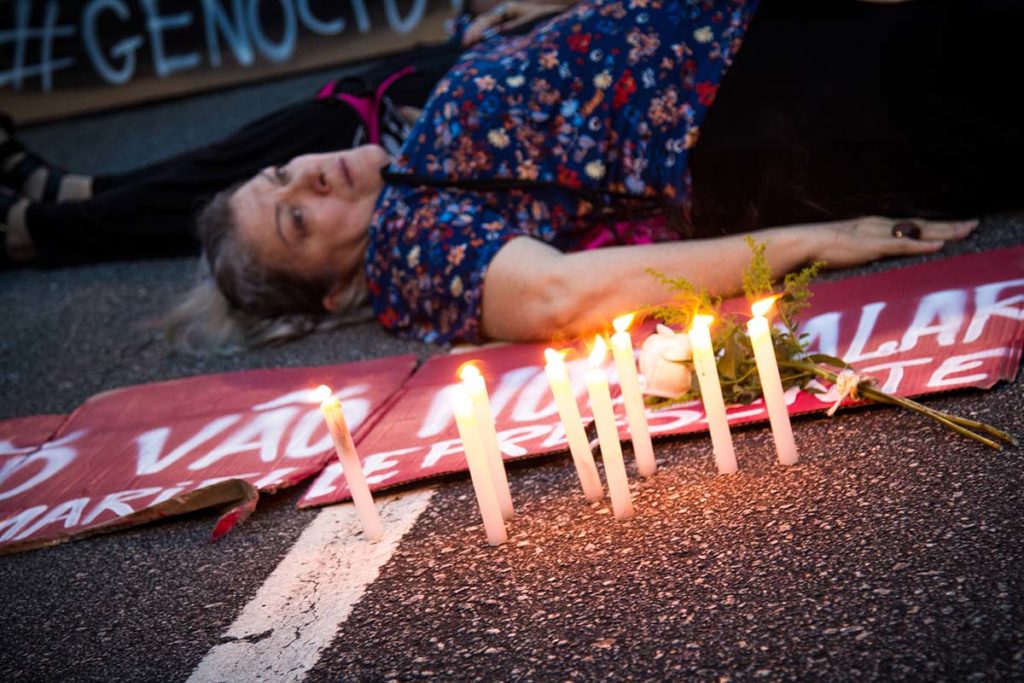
533,292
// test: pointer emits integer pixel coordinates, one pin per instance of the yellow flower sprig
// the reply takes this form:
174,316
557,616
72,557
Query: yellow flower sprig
737,369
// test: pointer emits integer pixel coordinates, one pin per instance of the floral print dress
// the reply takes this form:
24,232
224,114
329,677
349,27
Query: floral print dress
609,95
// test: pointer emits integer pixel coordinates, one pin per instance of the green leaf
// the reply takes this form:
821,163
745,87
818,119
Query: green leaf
825,359
728,360
798,293
687,299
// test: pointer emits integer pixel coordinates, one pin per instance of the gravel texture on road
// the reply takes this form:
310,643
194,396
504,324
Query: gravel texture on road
891,551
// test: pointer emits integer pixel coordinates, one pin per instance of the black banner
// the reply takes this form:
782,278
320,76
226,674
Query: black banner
62,56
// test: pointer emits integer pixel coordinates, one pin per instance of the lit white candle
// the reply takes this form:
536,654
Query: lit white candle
711,393
476,389
636,414
479,471
330,406
565,400
608,434
771,383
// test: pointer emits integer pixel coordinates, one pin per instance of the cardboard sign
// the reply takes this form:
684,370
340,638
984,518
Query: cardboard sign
136,454
943,325
25,434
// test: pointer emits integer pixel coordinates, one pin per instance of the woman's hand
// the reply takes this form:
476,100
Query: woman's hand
860,240
508,16
411,114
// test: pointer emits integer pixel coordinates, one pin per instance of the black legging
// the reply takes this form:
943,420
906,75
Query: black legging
840,109
149,211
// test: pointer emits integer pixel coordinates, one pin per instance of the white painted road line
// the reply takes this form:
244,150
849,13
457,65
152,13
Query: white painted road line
295,614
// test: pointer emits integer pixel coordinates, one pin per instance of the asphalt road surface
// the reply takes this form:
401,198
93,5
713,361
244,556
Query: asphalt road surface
892,551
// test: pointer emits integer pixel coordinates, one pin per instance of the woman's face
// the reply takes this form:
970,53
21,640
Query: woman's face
312,215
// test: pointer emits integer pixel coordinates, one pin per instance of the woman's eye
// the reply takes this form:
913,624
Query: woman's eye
299,221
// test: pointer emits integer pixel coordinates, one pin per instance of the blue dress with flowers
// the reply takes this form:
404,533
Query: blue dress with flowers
608,95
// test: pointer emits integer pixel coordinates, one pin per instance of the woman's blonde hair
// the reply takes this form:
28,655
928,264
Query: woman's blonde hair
239,302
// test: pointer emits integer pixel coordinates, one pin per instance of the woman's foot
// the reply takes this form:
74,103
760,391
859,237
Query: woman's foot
26,173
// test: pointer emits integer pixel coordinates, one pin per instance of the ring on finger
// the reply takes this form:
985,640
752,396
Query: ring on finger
907,229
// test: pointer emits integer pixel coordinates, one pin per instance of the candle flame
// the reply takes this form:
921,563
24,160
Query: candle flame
322,393
598,352
761,308
622,323
703,320
468,370
552,356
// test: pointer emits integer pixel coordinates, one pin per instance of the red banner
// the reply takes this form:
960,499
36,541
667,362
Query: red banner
25,434
417,438
135,454
934,327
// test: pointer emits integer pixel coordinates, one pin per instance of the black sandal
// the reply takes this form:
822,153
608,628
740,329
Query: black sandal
15,177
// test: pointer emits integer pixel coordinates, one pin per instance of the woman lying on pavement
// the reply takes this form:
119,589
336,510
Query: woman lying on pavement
50,218
532,152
